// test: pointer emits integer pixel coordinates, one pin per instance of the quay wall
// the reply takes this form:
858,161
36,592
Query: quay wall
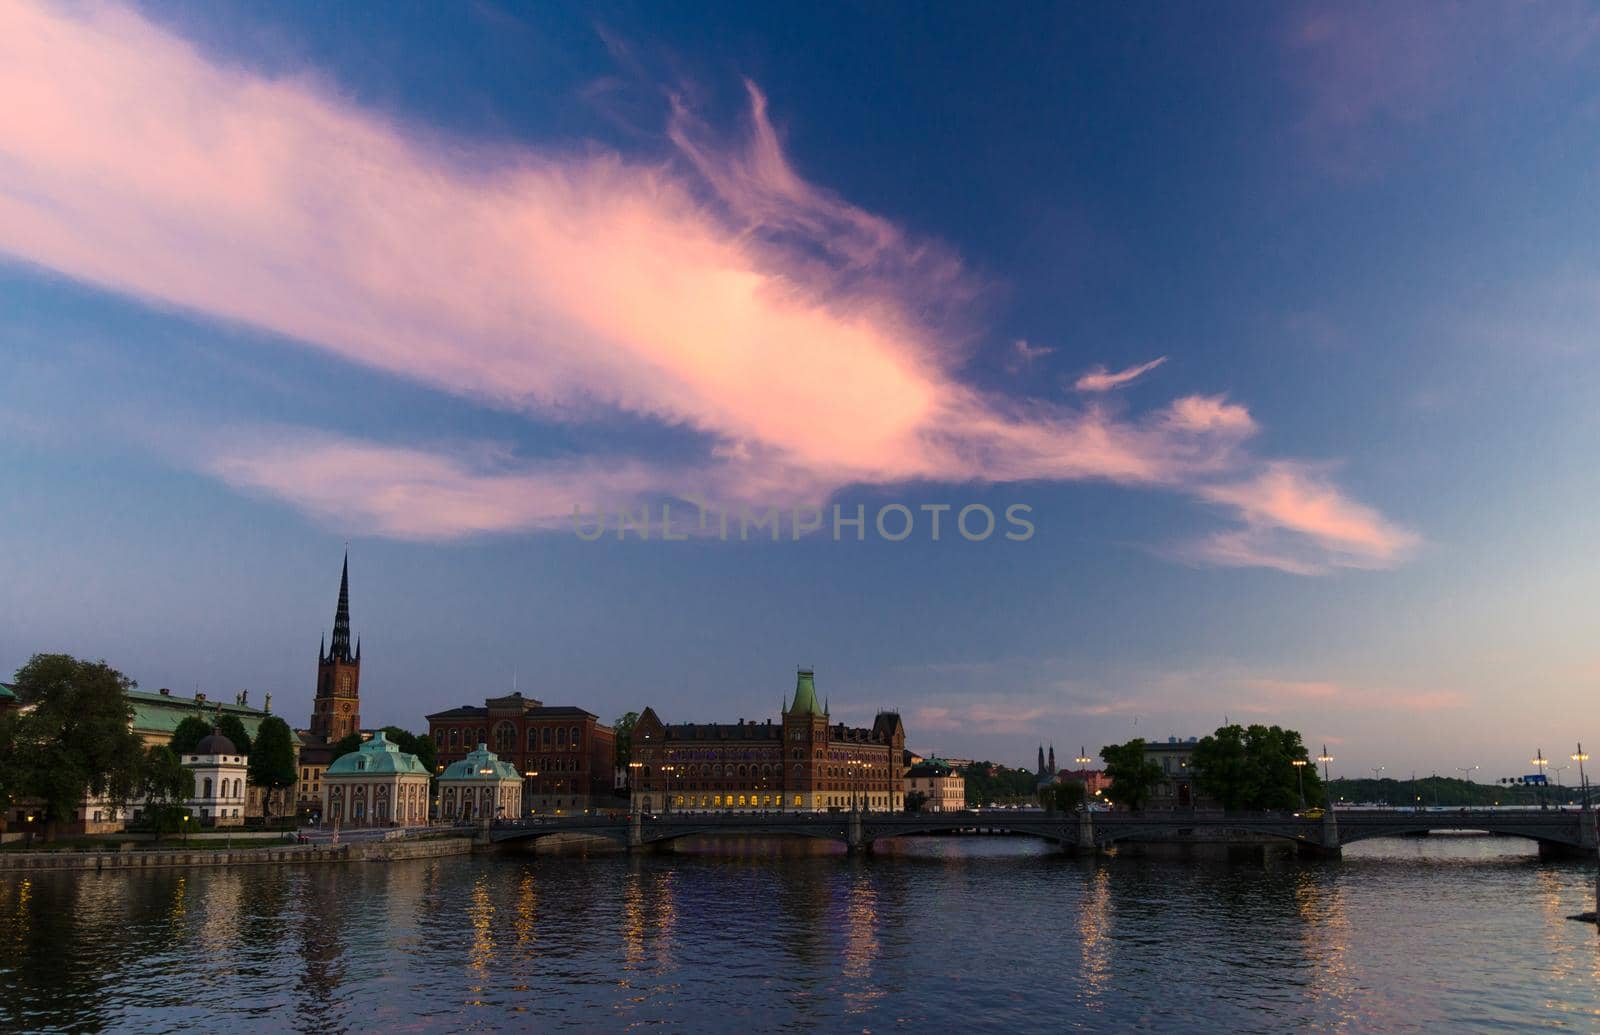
373,851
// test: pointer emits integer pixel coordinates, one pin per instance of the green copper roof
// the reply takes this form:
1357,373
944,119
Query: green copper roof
5,691
481,764
380,756
161,713
805,695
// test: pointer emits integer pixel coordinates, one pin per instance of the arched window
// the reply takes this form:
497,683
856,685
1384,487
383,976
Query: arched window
455,738
533,739
545,736
574,738
561,736
207,793
505,738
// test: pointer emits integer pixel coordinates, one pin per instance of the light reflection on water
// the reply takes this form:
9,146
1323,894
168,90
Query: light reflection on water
1416,934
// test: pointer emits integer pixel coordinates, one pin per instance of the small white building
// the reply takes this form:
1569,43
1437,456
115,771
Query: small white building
480,786
220,774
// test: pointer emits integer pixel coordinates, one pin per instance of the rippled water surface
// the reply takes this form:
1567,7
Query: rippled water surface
1434,934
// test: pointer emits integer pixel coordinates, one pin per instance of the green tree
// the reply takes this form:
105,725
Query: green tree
189,733
10,771
1132,775
1254,768
915,800
166,786
419,744
346,744
272,760
230,726
622,728
1066,796
75,742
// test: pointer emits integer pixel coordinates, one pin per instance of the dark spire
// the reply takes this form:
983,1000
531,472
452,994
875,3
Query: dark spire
1041,759
1052,758
341,617
322,648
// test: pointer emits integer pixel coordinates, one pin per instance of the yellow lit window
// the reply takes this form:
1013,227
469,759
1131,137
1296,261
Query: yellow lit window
796,801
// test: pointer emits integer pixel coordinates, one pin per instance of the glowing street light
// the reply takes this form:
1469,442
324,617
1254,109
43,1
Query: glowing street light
1583,779
1539,762
1300,777
1083,758
1325,758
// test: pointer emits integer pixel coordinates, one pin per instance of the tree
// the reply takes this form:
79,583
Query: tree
419,744
1253,768
346,744
188,735
230,726
1066,796
915,800
75,742
1132,775
166,786
623,730
272,760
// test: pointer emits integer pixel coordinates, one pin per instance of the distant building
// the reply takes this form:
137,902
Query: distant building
956,763
566,755
377,786
480,786
804,762
8,697
941,784
220,773
1175,789
1095,781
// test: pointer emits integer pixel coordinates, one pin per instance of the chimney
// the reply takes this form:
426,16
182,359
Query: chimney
165,691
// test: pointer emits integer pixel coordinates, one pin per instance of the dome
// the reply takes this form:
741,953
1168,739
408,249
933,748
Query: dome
215,744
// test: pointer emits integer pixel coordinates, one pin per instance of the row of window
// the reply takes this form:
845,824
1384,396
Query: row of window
755,801
561,738
223,788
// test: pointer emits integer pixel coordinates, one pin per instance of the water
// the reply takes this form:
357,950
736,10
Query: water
1442,933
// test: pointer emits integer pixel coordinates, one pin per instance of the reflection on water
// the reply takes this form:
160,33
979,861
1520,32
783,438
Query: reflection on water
1419,934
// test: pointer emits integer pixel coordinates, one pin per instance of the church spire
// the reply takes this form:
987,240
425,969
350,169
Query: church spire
1052,759
341,617
1041,760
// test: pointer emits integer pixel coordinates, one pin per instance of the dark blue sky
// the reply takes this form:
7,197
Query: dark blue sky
423,277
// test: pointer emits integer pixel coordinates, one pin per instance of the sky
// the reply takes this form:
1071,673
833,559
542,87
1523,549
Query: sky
1266,337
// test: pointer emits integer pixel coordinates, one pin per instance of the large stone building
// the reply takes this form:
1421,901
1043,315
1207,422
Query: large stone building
220,772
804,762
336,708
376,786
941,786
567,755
1175,789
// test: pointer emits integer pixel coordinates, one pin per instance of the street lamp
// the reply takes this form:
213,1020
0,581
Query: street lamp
1325,758
1539,761
1581,758
1083,758
1300,777
1376,770
633,782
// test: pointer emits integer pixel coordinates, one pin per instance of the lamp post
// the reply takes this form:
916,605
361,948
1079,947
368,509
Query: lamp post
1583,779
1560,787
633,783
1325,759
1539,762
1375,771
1083,758
1300,778
1466,772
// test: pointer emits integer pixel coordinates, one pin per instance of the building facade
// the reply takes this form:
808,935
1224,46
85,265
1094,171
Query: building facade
941,786
221,772
377,786
1175,789
566,755
478,787
804,762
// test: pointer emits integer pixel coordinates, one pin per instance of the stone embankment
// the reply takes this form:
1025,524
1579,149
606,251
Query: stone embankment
366,851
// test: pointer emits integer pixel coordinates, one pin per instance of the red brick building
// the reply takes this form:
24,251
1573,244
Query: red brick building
802,763
566,755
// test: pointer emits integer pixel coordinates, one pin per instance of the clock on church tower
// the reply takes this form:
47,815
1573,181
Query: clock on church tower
338,674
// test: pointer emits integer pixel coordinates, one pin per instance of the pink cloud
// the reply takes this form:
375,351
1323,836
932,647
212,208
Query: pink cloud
1100,380
811,343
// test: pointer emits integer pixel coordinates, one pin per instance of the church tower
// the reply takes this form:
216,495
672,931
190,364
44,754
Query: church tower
337,711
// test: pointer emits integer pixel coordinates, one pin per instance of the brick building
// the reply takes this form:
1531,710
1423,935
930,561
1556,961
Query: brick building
804,762
566,755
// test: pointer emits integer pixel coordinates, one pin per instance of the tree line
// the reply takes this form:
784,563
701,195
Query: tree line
1250,768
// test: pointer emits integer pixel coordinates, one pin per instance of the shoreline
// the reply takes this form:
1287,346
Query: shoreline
371,851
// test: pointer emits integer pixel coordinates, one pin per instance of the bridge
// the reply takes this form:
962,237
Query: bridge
1556,831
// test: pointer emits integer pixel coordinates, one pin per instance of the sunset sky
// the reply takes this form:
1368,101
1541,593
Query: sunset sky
1280,320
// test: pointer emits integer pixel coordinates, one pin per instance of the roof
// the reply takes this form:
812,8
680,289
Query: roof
161,713
215,744
7,693
932,767
483,765
535,710
378,756
805,695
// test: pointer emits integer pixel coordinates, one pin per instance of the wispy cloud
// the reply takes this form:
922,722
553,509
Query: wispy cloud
1101,380
1022,356
811,344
